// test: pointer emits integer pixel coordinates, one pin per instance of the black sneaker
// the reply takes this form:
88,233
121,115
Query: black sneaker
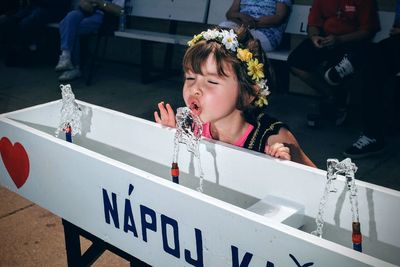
335,75
364,147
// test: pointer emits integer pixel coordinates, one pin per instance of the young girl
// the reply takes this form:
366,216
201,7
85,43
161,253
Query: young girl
224,84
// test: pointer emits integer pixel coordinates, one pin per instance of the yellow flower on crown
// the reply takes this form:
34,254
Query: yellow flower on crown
244,54
261,101
255,70
195,39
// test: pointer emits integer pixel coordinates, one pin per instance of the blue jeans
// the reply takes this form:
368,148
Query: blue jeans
74,25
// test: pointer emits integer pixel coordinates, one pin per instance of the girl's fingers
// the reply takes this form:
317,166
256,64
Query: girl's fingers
163,111
279,150
157,117
171,114
283,155
165,115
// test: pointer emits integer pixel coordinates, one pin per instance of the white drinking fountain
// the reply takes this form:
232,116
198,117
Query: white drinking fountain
114,181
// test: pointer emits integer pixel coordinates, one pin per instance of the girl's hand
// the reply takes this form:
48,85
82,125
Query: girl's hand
167,115
278,150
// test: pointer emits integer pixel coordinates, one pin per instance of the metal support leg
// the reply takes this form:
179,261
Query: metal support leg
73,248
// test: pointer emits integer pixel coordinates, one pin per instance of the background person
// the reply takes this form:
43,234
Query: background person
339,35
266,19
83,21
383,65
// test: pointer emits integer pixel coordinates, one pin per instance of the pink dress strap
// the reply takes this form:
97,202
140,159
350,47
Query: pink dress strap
239,142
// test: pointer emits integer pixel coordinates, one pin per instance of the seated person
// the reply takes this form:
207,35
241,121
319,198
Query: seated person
266,19
339,37
87,19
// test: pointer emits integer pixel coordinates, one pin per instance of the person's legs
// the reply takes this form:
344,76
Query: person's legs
383,64
68,33
69,28
349,58
304,62
307,62
87,25
265,43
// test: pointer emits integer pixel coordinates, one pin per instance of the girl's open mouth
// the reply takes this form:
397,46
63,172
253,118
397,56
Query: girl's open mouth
194,107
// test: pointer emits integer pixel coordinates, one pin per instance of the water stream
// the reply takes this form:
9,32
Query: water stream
334,167
188,131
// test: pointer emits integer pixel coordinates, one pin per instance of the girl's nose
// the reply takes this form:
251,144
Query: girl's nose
197,87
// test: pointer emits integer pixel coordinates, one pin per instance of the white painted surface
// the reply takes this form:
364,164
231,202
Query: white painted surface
117,150
160,37
181,10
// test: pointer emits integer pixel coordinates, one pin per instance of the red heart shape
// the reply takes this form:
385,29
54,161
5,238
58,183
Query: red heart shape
15,160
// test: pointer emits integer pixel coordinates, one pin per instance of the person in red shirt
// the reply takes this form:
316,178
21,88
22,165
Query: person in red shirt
339,35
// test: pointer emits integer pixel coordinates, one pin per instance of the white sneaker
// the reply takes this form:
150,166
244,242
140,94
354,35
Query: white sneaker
336,74
70,75
64,63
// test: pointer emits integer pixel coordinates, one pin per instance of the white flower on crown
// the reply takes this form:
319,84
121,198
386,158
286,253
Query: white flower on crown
211,34
229,40
264,87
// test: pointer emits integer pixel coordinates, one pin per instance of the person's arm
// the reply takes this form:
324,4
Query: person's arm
332,40
107,7
86,6
286,138
235,15
314,33
281,13
314,24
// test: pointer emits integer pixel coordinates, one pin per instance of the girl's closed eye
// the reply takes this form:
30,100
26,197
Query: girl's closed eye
212,82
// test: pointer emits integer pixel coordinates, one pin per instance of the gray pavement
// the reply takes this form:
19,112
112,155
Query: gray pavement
32,236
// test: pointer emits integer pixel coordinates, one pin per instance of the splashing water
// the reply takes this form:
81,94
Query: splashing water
188,131
330,175
334,167
70,112
350,169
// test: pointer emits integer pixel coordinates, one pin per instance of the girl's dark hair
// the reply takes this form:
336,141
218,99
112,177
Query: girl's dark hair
197,54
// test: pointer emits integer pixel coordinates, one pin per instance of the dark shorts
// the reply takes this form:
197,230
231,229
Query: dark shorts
307,57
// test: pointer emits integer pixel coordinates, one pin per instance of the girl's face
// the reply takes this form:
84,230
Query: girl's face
210,96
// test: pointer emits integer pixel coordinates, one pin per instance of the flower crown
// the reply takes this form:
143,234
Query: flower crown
254,68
